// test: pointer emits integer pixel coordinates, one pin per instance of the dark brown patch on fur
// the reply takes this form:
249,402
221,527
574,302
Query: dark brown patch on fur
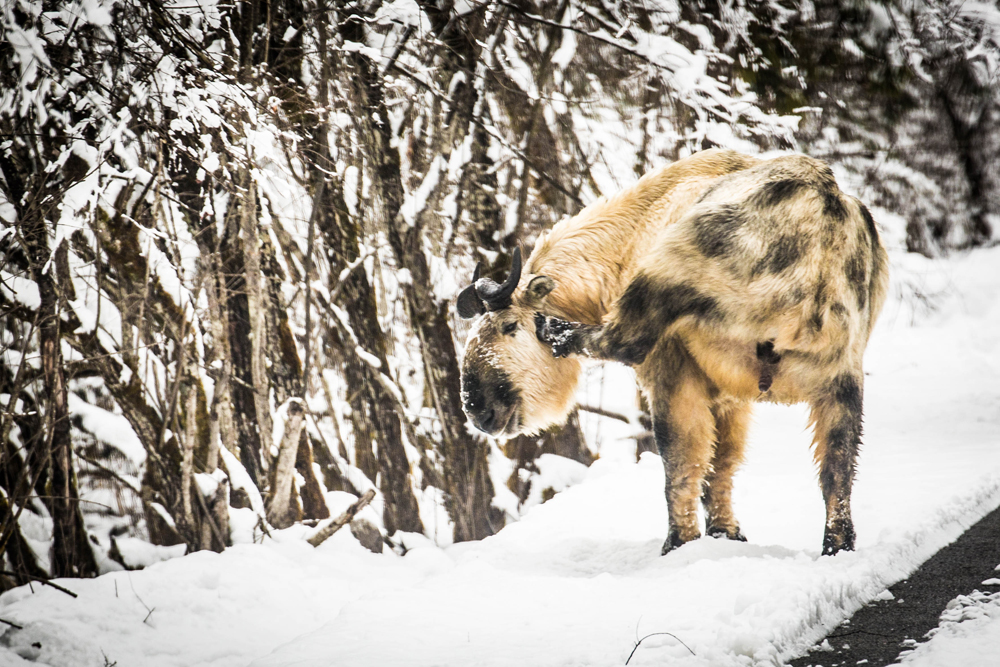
847,393
826,174
645,311
781,254
819,300
870,223
766,353
715,230
833,205
854,269
774,193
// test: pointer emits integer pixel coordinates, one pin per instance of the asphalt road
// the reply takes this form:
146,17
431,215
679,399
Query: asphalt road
877,631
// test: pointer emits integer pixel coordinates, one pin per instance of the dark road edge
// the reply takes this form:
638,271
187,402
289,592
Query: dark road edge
878,632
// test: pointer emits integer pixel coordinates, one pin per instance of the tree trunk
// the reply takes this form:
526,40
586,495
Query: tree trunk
976,150
283,508
71,553
374,417
286,377
311,493
256,309
244,400
468,487
222,428
566,440
15,480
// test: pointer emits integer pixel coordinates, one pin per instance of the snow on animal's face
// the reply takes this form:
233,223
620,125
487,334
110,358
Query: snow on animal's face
511,383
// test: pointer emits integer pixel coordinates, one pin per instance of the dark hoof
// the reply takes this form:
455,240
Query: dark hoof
736,534
673,541
557,333
836,541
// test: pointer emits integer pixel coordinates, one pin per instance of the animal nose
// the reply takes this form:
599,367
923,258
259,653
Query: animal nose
488,420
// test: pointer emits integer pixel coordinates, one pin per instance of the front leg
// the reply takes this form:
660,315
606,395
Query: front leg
732,421
565,337
645,311
684,426
606,342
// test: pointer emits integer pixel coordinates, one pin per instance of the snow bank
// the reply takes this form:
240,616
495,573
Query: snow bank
968,635
579,578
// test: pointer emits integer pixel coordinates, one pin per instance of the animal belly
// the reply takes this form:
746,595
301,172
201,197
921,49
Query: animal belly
732,365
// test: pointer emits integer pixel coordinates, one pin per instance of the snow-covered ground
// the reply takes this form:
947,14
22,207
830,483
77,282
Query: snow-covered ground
968,635
579,578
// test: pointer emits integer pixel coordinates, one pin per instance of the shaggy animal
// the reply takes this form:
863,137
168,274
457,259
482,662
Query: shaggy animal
723,280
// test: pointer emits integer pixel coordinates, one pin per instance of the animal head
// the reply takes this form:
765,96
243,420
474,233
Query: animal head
511,383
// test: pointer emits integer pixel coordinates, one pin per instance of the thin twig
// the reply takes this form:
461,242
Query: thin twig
348,271
11,624
42,580
148,609
604,413
72,500
10,524
493,132
653,634
610,41
262,522
103,468
307,344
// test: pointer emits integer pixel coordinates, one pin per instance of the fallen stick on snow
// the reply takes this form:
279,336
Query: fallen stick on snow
44,581
653,634
329,529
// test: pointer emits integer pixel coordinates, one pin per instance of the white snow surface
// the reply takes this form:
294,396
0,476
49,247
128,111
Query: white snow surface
968,635
579,578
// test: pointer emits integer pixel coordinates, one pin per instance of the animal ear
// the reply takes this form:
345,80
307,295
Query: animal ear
539,288
468,303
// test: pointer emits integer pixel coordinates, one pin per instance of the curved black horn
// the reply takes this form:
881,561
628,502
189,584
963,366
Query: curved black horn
468,303
498,296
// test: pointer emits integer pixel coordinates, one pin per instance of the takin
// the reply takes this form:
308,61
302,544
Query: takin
722,279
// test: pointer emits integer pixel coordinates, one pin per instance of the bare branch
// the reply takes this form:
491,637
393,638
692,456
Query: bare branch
329,529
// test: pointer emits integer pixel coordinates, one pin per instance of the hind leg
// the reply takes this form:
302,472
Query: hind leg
836,416
684,429
732,420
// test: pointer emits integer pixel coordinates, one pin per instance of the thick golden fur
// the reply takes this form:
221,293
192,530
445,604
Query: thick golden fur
594,255
724,280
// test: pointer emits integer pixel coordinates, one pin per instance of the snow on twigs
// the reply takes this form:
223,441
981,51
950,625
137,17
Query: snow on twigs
109,428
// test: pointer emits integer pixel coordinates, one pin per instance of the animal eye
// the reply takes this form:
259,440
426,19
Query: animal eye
509,328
